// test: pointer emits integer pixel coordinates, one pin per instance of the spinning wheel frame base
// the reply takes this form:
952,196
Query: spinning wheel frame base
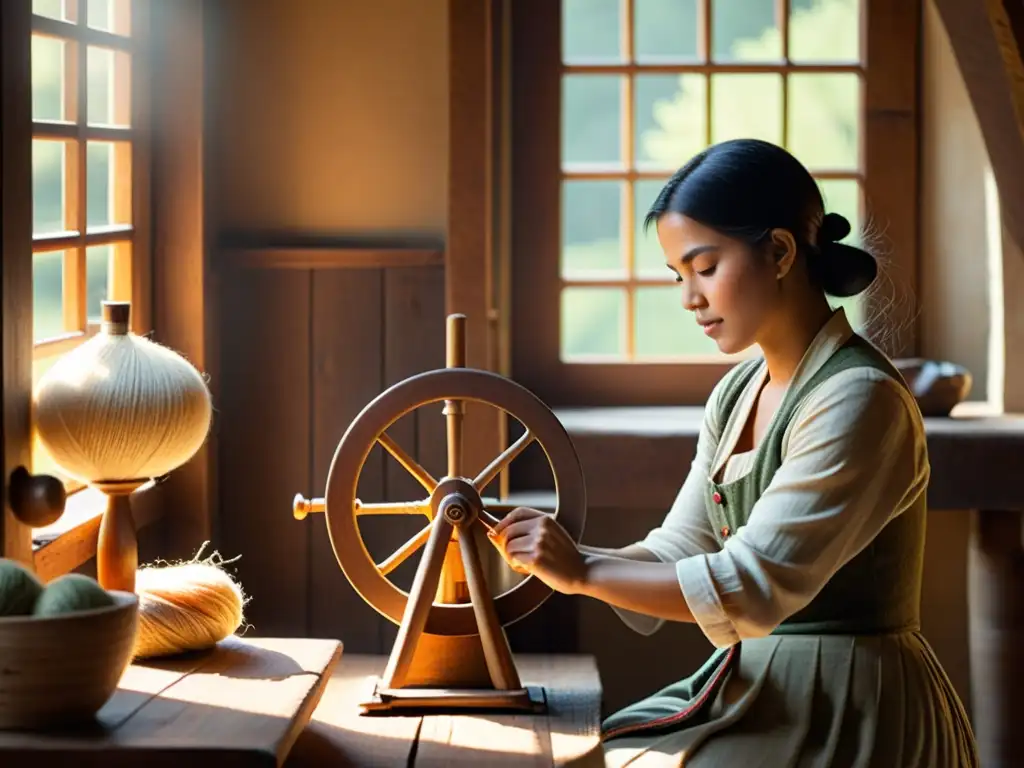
531,699
451,651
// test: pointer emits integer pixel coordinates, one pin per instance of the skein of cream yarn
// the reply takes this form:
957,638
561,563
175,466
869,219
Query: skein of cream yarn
121,407
186,607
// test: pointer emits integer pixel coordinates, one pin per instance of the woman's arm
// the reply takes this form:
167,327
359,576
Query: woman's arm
636,552
650,588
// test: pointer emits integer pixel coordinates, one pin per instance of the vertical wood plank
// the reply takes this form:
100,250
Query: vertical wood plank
16,266
470,208
890,144
347,333
264,442
180,288
413,343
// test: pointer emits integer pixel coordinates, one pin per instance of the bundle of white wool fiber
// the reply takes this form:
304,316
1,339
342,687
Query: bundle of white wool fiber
186,606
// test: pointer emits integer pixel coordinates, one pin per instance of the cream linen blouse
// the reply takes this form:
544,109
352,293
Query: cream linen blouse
854,457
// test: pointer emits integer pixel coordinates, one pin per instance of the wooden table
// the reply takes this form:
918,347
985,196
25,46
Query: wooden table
242,704
567,735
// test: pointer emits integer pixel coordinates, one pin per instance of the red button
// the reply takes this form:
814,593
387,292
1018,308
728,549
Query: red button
725,531
717,497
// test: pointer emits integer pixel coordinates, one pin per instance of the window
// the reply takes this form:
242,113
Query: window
609,98
86,165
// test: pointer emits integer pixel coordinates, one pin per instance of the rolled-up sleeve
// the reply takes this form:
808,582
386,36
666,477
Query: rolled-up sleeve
853,458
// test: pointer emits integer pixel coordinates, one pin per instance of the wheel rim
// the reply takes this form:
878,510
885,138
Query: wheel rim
387,408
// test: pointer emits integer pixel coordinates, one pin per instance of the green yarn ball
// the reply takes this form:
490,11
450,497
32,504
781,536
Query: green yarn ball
71,592
19,588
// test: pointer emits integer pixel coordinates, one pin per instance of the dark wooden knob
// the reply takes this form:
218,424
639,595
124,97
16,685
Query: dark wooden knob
36,500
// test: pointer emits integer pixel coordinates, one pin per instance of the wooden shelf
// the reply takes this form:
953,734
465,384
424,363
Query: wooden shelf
242,704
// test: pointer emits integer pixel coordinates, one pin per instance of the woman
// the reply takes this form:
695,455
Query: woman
796,541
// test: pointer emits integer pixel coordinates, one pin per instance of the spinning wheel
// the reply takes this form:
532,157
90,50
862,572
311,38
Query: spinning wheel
451,649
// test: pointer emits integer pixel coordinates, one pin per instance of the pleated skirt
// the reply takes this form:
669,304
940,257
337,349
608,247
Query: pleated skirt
813,701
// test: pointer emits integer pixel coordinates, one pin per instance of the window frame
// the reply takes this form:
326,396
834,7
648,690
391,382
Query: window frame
889,183
69,542
130,268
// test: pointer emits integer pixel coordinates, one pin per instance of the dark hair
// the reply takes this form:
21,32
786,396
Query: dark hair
744,188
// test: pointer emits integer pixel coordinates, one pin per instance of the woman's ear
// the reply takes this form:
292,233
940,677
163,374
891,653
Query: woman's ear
783,251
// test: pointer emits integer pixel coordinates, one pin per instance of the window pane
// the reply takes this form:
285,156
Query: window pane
591,239
109,86
98,271
650,259
110,16
671,119
593,322
591,119
665,30
824,120
745,31
665,329
824,30
48,174
48,54
55,9
591,31
47,295
108,179
746,106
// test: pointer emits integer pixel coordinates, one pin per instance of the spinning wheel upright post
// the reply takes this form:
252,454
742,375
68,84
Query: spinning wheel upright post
451,650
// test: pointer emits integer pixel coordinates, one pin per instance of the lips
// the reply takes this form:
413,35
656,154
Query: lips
710,327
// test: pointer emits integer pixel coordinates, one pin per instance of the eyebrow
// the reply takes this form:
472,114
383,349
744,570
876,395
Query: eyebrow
693,253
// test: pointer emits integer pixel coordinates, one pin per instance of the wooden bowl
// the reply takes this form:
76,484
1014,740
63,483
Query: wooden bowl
59,670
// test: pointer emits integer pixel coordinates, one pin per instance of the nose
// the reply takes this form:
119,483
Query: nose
693,298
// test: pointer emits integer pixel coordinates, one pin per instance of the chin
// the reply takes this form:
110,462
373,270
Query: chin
732,346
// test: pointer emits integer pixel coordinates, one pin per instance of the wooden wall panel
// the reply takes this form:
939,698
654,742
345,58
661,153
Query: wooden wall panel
304,351
264,442
347,339
414,329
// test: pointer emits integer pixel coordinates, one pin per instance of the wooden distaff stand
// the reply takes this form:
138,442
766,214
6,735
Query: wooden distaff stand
451,651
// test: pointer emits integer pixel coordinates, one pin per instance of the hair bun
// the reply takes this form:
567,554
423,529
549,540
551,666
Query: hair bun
834,227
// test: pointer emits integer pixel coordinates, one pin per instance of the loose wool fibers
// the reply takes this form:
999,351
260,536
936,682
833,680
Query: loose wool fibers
186,606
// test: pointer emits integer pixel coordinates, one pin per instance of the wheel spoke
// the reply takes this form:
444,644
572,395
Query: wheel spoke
499,507
394,508
403,553
492,470
411,465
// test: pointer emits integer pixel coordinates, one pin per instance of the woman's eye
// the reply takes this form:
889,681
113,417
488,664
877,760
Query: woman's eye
707,272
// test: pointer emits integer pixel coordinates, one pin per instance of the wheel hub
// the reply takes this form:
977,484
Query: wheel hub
457,500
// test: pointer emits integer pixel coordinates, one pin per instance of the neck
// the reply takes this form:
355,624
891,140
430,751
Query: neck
786,341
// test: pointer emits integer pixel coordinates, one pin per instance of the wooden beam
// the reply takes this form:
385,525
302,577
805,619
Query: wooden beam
180,286
326,257
468,259
987,52
16,263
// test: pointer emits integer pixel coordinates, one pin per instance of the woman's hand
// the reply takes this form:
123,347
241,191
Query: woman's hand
533,542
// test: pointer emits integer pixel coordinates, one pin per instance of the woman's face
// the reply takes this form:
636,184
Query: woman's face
732,290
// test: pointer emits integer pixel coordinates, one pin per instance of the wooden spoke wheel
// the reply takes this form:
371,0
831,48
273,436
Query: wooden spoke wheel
452,503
